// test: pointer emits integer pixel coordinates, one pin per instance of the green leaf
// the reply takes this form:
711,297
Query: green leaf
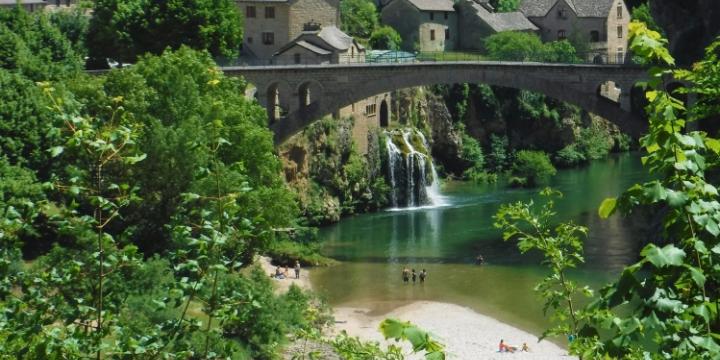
676,198
607,207
55,151
655,191
713,144
697,276
131,160
662,257
393,329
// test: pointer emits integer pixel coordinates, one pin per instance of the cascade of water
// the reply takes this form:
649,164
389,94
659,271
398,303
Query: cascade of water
433,189
394,155
408,170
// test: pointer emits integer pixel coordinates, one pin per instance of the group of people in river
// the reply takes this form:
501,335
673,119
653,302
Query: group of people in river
504,347
283,274
407,274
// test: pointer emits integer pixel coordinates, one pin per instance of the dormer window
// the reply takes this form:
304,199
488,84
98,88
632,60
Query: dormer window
562,13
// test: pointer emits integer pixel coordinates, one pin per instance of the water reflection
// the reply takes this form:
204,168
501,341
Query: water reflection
446,240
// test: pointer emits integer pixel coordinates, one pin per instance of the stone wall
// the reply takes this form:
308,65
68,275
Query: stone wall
415,26
254,27
324,12
617,41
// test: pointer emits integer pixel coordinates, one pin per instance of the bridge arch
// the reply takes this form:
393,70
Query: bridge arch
277,99
344,85
309,92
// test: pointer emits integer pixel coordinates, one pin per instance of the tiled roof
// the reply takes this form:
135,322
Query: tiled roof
583,8
509,21
323,42
433,5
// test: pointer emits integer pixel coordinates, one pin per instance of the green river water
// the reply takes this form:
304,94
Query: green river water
445,240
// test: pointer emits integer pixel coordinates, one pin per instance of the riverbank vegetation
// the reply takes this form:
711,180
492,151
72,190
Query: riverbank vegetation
132,204
665,305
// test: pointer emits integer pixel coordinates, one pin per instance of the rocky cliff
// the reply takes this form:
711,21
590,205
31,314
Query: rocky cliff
689,24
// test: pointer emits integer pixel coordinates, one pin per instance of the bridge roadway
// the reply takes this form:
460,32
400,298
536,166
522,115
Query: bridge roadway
306,93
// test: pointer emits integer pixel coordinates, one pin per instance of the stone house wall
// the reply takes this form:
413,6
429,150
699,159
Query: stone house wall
255,27
324,12
365,122
617,32
415,26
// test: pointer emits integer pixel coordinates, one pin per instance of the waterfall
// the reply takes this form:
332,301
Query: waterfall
407,167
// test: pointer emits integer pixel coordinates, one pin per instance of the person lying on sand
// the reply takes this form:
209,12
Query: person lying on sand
506,348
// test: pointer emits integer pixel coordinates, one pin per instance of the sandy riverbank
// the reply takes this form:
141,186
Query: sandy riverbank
466,334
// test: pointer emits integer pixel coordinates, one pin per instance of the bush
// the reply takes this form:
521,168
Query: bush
287,252
533,166
385,38
594,143
569,156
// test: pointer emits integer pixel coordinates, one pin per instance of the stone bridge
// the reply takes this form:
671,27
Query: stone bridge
295,96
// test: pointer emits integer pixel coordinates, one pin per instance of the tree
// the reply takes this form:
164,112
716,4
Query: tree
385,38
521,46
124,30
514,46
505,5
359,17
31,45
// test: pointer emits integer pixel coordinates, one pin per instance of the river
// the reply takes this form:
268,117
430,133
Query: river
445,240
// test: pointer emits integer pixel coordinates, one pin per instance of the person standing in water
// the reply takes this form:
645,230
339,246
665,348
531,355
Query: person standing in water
414,275
297,269
423,275
406,275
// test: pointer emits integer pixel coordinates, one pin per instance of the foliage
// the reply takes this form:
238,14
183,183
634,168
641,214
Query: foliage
351,348
561,246
31,45
533,166
521,46
671,292
642,13
594,143
359,18
665,305
184,102
505,5
498,156
420,340
570,156
288,251
73,23
472,154
385,38
127,29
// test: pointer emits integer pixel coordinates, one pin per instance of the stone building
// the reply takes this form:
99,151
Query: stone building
425,25
305,32
29,5
602,23
321,45
271,24
478,20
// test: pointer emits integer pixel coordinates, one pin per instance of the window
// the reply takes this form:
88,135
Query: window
619,11
371,109
297,58
620,32
268,38
620,56
562,13
561,35
446,15
594,36
250,12
249,40
447,34
269,12
432,15
432,35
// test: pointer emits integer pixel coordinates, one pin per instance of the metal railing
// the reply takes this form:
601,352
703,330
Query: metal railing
399,57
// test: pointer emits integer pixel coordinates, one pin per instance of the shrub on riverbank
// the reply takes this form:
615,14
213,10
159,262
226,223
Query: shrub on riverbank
531,168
